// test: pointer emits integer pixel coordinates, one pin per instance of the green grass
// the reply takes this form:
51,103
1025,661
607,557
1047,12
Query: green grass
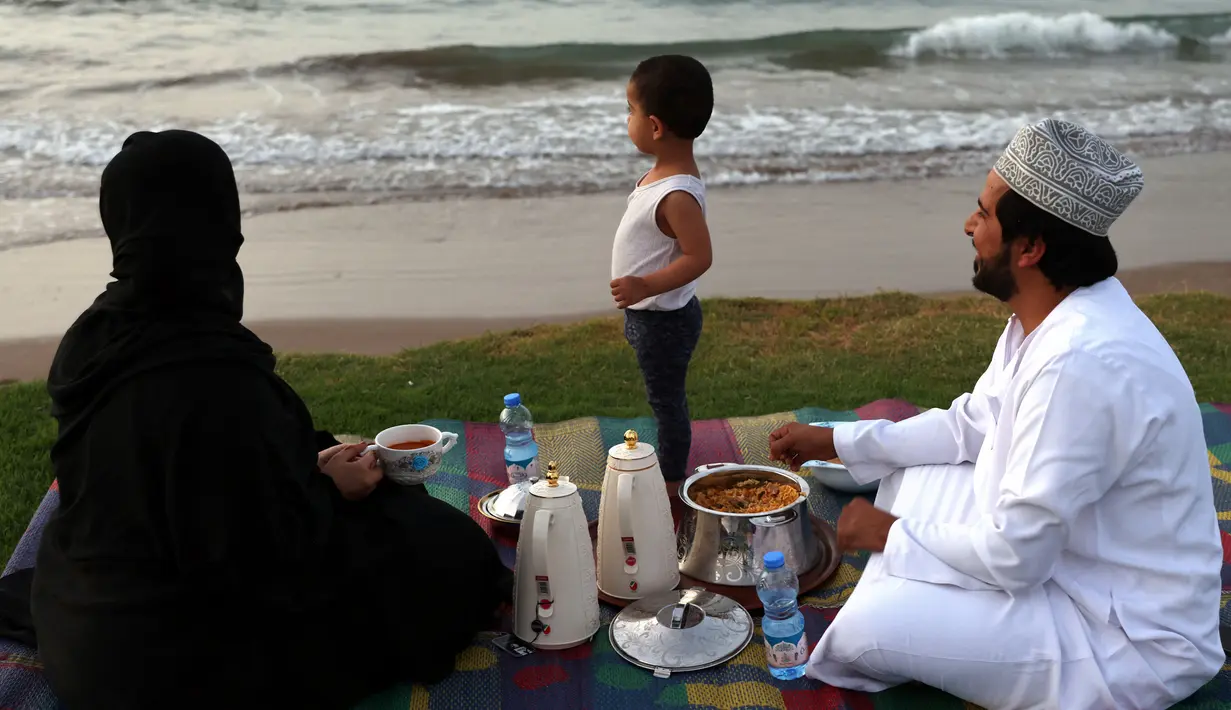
756,357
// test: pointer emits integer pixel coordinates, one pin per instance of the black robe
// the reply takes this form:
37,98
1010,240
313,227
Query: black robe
199,559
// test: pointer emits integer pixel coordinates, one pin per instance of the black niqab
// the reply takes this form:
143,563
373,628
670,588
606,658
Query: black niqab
199,558
153,385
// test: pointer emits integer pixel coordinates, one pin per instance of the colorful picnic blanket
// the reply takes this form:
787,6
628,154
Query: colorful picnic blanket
593,677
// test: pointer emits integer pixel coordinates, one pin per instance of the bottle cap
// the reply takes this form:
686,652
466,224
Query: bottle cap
512,400
774,560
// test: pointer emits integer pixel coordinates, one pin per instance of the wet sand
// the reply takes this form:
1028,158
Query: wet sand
376,279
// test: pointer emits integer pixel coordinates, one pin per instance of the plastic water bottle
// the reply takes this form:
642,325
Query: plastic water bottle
786,644
521,453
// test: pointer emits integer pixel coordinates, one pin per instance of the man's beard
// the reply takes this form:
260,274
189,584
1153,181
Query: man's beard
995,276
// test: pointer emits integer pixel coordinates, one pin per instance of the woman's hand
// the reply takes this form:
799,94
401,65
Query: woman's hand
355,473
323,457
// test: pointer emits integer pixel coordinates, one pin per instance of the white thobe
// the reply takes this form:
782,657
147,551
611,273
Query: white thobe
1057,543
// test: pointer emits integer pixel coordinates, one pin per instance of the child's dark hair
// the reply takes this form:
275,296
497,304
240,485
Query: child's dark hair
678,91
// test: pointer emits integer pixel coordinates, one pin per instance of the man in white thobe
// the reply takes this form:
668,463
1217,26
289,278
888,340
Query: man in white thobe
1050,540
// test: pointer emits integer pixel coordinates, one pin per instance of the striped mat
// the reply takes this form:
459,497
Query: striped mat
593,677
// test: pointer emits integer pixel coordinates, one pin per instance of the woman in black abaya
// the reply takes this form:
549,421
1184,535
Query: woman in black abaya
206,553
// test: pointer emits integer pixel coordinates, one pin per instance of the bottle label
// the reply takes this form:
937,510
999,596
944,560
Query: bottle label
521,470
788,652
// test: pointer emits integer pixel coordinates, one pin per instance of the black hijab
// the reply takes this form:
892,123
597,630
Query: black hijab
170,207
170,576
193,524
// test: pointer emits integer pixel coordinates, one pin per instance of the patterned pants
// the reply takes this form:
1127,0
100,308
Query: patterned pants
664,342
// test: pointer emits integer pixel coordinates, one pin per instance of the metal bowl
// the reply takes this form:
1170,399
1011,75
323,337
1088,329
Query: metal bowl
727,548
834,475
722,475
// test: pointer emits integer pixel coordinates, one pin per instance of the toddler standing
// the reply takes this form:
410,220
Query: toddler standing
662,245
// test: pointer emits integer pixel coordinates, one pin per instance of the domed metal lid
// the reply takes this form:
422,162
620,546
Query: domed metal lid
510,504
681,630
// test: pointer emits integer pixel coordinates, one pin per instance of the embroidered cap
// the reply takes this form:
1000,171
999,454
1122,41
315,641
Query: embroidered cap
1068,171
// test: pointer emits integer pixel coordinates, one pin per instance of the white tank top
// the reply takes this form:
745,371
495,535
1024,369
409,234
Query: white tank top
641,248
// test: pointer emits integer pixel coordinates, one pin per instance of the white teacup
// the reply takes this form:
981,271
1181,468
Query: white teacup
411,466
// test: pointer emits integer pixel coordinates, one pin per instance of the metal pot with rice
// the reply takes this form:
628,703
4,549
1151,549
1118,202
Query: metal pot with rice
735,514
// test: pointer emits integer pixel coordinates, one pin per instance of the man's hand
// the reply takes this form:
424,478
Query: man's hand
629,291
862,526
353,472
797,443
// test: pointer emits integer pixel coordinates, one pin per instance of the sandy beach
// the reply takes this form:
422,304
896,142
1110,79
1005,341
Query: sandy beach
379,278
